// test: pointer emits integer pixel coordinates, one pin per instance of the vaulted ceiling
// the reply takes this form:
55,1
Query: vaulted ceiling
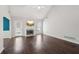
30,11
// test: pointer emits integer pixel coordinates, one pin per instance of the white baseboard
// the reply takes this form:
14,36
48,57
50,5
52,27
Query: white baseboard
1,50
62,38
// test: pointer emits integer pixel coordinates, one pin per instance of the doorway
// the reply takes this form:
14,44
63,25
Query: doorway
18,28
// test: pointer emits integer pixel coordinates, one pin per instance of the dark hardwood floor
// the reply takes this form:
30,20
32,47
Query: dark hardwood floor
40,44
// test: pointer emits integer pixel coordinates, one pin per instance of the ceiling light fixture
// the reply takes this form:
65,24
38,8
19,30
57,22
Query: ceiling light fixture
39,7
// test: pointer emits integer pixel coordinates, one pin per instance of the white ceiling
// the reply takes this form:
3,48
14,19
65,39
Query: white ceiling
30,11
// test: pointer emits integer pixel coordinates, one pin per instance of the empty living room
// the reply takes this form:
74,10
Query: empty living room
39,29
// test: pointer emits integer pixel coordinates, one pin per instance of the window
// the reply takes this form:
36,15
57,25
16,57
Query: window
6,24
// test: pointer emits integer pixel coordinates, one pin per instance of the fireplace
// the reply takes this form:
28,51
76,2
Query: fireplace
29,32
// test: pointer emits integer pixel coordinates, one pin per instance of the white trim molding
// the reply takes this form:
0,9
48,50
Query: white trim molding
1,50
62,38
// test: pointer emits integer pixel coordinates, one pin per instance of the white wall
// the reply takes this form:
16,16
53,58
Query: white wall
63,21
4,12
1,37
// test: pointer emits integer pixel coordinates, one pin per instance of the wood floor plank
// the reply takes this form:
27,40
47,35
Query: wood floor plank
40,44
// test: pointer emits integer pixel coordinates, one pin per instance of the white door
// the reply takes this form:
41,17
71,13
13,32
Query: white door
39,27
18,28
